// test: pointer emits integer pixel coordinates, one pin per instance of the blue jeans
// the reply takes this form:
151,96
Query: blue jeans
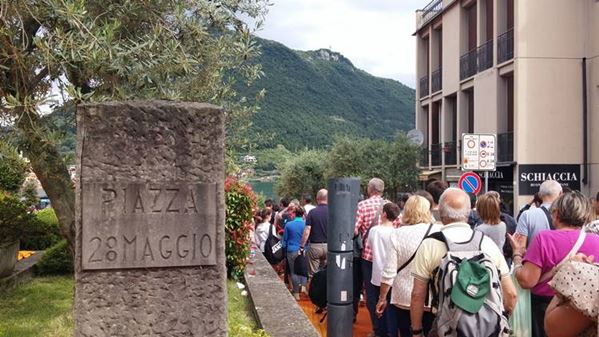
390,317
372,296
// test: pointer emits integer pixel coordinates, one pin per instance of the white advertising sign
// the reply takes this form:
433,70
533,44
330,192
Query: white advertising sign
478,152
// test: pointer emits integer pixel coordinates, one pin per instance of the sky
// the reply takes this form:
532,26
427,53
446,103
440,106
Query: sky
376,35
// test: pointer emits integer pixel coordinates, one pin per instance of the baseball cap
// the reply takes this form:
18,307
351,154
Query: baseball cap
471,287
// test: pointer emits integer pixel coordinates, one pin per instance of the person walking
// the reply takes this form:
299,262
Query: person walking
416,225
535,265
379,240
454,208
488,209
368,215
315,233
538,219
292,236
308,204
262,230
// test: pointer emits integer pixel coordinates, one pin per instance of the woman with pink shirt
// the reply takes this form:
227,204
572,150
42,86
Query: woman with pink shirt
534,268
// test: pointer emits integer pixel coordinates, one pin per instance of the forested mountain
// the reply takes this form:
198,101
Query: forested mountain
311,96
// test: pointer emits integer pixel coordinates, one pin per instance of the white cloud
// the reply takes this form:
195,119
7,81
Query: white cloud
375,35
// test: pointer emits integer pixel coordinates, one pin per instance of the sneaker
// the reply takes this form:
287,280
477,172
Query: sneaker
296,296
319,310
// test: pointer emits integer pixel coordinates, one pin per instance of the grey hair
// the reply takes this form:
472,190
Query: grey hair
550,188
447,207
573,209
376,185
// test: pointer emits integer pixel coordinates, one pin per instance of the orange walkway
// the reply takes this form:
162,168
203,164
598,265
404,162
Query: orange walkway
361,328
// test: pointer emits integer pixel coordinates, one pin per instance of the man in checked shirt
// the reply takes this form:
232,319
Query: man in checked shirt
368,213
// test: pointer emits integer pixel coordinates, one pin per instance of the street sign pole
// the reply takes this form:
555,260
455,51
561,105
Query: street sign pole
486,181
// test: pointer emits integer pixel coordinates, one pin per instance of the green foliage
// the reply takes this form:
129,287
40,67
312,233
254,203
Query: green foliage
13,218
271,159
56,261
12,168
241,322
312,96
42,231
240,203
303,173
393,161
29,193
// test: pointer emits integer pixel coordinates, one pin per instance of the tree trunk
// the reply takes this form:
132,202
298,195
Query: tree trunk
51,171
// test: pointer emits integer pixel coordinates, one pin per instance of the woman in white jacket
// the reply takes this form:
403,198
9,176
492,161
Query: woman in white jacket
416,225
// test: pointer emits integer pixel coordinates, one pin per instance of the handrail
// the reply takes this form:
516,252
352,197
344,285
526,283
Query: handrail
430,11
505,46
485,55
436,80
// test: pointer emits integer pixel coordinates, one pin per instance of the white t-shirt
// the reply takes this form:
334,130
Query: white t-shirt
308,208
379,240
261,234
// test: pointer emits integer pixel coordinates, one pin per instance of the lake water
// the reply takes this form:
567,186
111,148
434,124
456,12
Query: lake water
264,187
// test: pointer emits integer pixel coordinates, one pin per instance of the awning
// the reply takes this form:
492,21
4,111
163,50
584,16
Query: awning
426,175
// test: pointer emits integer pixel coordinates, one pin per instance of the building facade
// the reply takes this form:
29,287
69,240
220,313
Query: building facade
525,70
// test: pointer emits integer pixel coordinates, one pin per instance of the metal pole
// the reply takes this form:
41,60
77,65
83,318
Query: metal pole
343,197
486,181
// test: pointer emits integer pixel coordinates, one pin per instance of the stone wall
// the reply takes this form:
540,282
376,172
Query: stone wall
277,311
150,146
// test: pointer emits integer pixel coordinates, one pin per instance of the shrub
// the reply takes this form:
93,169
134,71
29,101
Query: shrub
56,261
304,173
240,203
29,193
13,218
12,169
42,231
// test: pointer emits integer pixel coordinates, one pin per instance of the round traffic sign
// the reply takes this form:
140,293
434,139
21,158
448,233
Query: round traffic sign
470,182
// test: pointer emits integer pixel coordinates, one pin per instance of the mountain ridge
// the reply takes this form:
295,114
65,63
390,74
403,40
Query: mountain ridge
311,96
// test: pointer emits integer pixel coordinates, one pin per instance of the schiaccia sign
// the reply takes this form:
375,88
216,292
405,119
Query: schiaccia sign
531,177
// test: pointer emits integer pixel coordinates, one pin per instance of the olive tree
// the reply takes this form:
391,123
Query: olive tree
393,161
97,50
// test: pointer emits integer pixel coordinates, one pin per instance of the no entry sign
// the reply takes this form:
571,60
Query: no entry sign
470,182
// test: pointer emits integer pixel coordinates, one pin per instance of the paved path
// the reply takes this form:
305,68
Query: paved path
361,328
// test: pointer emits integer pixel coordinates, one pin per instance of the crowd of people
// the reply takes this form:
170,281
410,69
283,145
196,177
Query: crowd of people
441,262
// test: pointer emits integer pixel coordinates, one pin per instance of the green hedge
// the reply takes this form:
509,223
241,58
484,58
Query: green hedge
56,261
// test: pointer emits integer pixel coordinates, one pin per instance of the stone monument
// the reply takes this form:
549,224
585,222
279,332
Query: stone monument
150,256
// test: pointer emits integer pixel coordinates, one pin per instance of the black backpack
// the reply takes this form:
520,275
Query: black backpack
318,288
273,248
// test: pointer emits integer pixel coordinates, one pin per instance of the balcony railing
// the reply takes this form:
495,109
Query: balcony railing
505,46
450,151
468,64
505,147
430,12
436,81
424,86
424,157
485,55
436,152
